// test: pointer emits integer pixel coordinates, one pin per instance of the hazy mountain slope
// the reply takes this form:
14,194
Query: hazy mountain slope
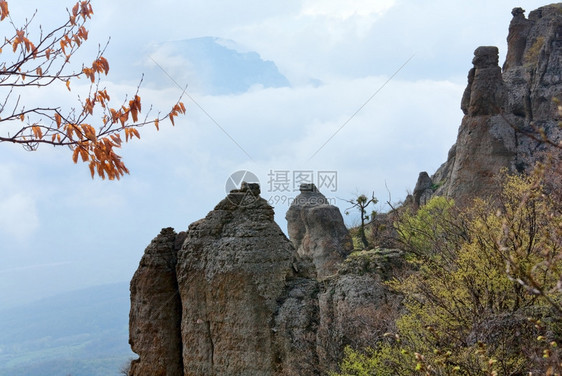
81,333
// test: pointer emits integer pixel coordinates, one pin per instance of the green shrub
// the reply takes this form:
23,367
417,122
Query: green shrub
485,297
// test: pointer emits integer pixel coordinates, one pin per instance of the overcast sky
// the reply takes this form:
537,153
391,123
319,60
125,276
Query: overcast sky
60,230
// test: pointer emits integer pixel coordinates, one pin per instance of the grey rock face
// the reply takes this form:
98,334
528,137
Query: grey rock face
423,189
231,272
485,93
502,110
317,231
516,39
155,317
234,300
296,327
356,308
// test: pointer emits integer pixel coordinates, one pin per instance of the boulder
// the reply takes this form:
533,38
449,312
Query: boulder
317,231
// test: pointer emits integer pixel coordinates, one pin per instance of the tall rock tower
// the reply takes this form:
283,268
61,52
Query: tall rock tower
505,112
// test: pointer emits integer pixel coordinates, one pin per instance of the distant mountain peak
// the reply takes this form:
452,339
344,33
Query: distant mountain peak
212,65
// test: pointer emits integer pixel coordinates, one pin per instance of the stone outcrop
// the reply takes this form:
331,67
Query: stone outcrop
356,309
485,93
317,231
155,317
423,189
517,39
232,271
229,297
296,326
232,296
504,110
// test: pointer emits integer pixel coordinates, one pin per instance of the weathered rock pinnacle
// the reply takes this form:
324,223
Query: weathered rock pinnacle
317,230
503,108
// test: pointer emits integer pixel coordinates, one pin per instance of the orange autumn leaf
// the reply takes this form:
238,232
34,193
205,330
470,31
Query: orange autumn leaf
77,40
92,167
116,139
75,9
68,84
37,132
86,9
75,155
69,128
83,33
101,65
89,106
135,107
89,73
89,132
84,154
3,9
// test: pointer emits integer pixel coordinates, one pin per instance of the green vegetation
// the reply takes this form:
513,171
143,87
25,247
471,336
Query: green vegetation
485,298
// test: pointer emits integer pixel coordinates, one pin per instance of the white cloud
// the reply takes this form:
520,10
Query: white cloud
18,208
344,9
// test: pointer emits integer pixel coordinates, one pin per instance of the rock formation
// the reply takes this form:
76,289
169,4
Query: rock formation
238,299
504,110
356,308
234,300
517,39
155,317
423,189
232,270
317,231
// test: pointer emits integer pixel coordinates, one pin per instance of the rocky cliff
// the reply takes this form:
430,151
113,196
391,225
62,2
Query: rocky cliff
506,112
233,296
